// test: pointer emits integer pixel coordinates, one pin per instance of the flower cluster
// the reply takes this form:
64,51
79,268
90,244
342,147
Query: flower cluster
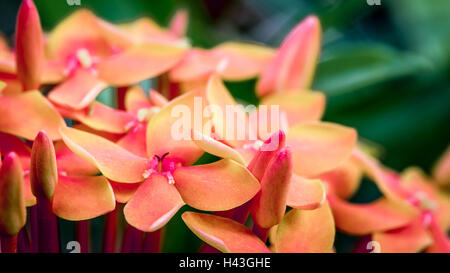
284,186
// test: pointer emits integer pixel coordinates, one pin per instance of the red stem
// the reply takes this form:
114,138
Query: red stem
262,233
23,241
121,91
153,241
83,236
9,244
110,232
34,229
132,240
47,227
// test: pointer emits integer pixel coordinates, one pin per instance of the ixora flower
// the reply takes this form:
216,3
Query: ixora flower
89,53
167,179
75,193
412,215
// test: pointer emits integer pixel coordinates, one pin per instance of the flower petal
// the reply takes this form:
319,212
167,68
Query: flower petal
378,216
310,231
30,199
10,143
224,234
112,160
33,108
139,63
298,106
221,102
441,171
78,91
389,184
102,118
218,186
242,60
153,204
70,163
80,198
169,131
68,36
217,148
196,64
345,179
124,191
318,147
135,140
136,99
294,64
409,239
305,193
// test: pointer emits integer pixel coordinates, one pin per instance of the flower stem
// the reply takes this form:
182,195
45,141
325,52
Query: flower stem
153,241
83,235
9,244
24,241
132,240
48,236
262,233
121,91
110,232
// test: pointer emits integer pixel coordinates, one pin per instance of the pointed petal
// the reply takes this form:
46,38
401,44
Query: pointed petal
170,130
305,193
70,163
195,65
80,198
136,99
139,63
218,186
294,64
362,219
217,148
319,146
135,140
268,206
35,109
345,179
10,143
153,204
29,46
441,171
124,191
441,241
78,91
242,61
298,106
178,24
64,41
113,161
389,184
102,118
219,97
158,99
412,238
224,234
310,231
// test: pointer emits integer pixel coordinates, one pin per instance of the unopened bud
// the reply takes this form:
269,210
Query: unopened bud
43,173
12,202
269,205
29,46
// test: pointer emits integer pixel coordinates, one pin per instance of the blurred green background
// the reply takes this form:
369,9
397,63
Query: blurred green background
384,68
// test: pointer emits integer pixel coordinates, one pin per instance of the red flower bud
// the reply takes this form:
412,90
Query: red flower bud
12,202
29,46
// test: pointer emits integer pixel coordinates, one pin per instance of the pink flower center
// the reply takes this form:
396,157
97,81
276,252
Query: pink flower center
163,165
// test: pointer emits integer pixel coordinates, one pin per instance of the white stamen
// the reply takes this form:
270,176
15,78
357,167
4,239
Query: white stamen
84,57
147,173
